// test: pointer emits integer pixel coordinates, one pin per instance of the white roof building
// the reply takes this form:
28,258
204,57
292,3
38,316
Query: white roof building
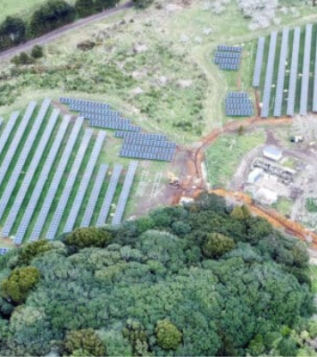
266,196
273,153
254,175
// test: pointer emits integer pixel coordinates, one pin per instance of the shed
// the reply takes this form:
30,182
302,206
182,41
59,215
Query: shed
273,153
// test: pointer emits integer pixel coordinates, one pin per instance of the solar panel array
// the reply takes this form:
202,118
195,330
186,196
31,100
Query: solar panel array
306,70
104,211
29,211
281,74
228,57
238,104
85,182
30,173
38,227
29,200
100,115
86,221
293,74
258,62
125,193
269,77
51,233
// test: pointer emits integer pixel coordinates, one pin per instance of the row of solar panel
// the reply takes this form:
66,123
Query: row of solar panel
146,155
229,48
258,62
229,67
106,116
221,54
93,110
235,61
83,102
140,136
237,95
239,113
142,148
114,125
147,142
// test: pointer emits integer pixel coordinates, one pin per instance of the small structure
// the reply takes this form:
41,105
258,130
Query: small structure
254,175
266,196
273,153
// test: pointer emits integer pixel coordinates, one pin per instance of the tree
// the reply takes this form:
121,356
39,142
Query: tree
19,284
241,130
84,7
84,343
136,335
12,32
217,244
31,250
142,4
88,237
37,52
50,16
101,5
168,336
237,212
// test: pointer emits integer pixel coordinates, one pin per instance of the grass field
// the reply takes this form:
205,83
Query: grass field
224,156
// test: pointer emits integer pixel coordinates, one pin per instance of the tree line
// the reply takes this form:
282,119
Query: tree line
205,279
50,16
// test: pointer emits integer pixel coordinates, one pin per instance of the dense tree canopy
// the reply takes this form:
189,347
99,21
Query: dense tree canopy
148,287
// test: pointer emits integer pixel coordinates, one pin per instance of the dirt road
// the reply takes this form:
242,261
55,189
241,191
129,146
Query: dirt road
51,36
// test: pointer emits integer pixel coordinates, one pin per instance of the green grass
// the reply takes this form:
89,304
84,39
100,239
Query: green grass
224,156
284,206
313,276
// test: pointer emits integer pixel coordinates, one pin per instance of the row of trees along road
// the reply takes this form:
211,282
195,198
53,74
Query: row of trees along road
50,16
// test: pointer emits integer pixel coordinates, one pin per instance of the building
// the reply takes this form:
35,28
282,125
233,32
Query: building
254,175
272,153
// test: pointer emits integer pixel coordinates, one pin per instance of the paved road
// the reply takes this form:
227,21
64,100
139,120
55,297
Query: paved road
51,36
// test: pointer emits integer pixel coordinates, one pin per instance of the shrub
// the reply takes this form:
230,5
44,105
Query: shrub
88,237
217,244
84,343
31,250
168,336
19,284
84,7
37,52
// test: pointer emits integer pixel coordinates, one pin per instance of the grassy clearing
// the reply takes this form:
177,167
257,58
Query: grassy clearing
284,206
223,157
313,276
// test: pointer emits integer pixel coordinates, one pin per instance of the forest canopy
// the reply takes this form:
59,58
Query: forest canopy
203,279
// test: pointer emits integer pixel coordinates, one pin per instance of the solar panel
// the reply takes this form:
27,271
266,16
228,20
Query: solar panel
306,70
293,73
84,182
123,199
258,62
94,196
314,109
53,228
38,190
269,77
281,74
44,210
30,174
4,138
104,211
